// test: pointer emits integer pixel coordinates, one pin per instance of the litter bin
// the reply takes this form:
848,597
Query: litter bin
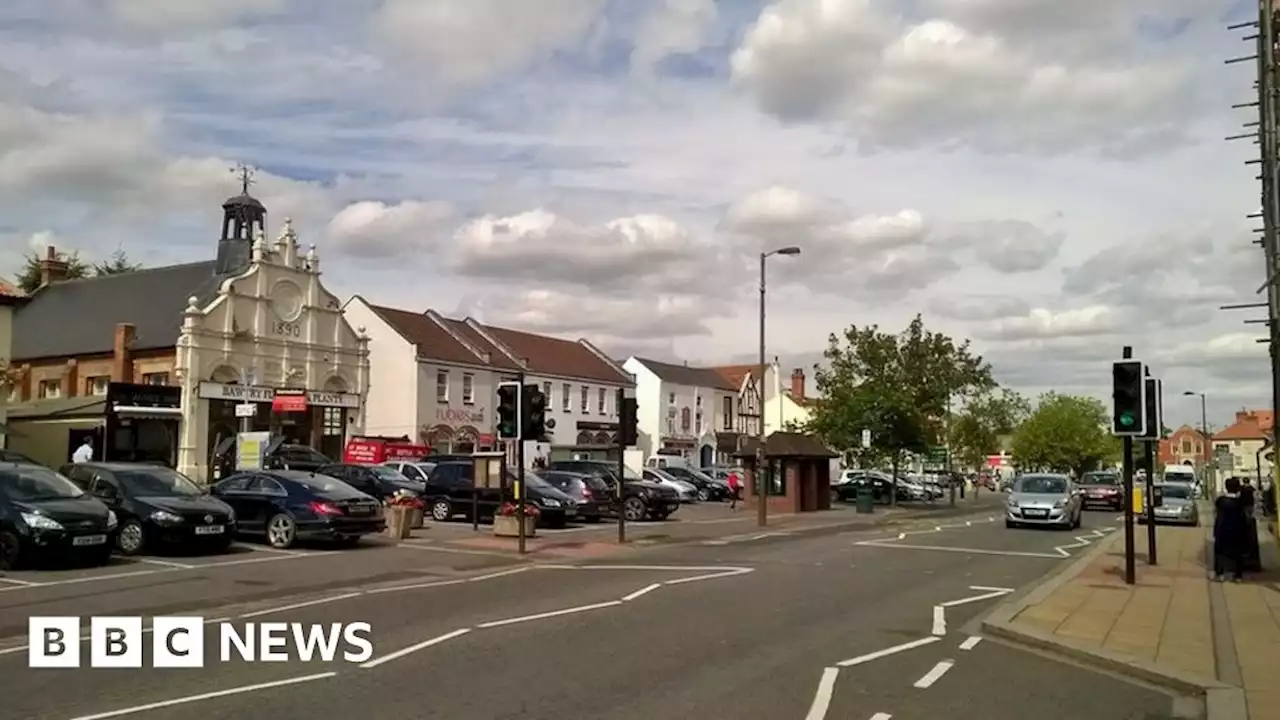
865,500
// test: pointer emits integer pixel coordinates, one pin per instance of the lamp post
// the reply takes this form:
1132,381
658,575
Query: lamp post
1204,430
762,491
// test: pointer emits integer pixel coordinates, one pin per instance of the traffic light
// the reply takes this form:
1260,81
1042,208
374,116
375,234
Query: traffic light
1128,398
1154,404
628,431
533,414
508,410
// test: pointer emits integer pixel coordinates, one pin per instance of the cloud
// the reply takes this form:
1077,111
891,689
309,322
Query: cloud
610,320
1011,246
674,27
1042,323
375,230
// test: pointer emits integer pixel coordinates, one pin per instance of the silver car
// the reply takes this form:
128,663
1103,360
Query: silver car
1177,505
1043,499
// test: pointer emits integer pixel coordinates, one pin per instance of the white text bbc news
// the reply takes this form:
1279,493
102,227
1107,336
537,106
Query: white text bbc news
179,642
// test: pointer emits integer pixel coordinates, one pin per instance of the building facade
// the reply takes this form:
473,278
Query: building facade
1247,443
10,298
680,409
1185,446
740,417
443,374
786,406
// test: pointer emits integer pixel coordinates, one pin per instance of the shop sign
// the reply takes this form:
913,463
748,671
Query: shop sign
142,395
371,451
250,393
461,416
289,401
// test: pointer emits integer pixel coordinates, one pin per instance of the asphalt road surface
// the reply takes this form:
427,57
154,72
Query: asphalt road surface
843,626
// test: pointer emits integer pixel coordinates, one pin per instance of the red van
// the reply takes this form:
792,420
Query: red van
372,450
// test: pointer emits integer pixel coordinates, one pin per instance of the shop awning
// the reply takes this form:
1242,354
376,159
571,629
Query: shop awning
290,403
138,411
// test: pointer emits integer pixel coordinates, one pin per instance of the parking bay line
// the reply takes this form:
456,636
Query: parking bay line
551,614
414,648
19,583
966,551
207,696
822,698
888,651
164,563
970,643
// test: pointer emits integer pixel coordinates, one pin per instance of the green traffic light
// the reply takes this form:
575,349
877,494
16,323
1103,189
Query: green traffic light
1126,420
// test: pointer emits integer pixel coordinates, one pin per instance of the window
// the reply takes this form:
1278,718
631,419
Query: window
546,390
671,398
157,378
728,412
604,401
333,421
697,400
468,389
1186,446
566,399
442,386
586,399
671,425
684,419
699,422
49,389
96,385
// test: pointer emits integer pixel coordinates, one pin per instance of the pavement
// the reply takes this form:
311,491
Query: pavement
869,622
1173,627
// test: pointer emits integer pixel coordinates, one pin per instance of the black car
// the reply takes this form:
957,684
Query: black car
640,500
881,486
156,506
9,456
284,506
451,491
44,515
709,488
1102,489
594,497
380,481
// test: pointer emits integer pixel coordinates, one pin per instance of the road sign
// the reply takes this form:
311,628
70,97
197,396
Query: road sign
866,438
938,454
246,410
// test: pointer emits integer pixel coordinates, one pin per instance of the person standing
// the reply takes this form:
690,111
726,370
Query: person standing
84,453
735,489
1229,526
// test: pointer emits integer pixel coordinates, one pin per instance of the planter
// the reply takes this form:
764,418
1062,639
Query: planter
509,526
416,516
398,522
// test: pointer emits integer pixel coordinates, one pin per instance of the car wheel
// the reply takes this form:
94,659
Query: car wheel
441,510
633,509
281,531
10,551
130,538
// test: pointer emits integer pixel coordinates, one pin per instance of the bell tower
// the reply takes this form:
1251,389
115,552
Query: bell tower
243,218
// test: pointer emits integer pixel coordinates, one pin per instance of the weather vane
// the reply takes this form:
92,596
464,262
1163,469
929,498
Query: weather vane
246,173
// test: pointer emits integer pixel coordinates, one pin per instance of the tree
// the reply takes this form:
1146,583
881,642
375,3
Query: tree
1065,434
977,430
116,265
30,276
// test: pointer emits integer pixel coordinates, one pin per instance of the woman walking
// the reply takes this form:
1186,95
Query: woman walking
735,489
1229,527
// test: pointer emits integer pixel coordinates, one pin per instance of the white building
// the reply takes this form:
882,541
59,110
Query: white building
681,410
435,380
267,334
785,405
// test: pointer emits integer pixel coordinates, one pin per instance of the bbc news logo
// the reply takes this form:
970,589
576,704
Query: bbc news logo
179,642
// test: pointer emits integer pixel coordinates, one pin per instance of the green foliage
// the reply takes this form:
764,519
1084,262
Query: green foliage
29,277
898,386
1065,433
117,264
976,431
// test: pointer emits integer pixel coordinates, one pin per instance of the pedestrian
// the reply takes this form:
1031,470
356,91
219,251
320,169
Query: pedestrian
735,489
84,453
1252,553
1229,527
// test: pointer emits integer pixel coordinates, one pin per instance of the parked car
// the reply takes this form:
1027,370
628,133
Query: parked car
1103,489
595,500
415,471
641,499
43,515
1044,499
9,456
156,506
1175,505
881,485
284,506
450,491
291,456
708,488
379,481
687,492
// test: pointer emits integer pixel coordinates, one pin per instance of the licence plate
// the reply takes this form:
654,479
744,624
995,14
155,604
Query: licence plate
209,529
90,540
571,511
1036,513
359,510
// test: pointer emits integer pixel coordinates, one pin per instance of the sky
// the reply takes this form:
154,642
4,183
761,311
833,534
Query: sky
1048,180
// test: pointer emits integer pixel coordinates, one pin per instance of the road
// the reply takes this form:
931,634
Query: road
813,628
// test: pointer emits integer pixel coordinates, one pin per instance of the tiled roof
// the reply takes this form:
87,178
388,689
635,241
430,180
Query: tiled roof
735,374
502,349
1249,425
78,317
10,294
690,376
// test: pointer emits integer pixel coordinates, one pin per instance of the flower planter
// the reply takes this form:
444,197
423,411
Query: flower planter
416,517
509,526
398,522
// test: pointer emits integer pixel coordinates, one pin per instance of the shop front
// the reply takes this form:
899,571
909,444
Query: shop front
271,351
130,423
591,441
458,431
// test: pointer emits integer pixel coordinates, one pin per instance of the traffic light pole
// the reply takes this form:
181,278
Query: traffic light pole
1129,570
520,488
620,491
1148,464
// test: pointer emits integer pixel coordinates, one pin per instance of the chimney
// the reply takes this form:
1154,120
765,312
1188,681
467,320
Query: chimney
52,268
797,383
122,353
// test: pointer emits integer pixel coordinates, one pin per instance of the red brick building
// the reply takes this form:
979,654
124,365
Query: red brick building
1185,446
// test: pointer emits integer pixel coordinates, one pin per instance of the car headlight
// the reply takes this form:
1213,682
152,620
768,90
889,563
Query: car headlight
112,520
550,503
40,522
1059,504
164,516
231,516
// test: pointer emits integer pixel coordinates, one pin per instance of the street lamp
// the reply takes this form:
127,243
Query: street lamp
1204,430
761,490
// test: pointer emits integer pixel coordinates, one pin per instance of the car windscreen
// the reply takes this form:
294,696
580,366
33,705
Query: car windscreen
534,480
1097,478
386,472
156,482
31,483
327,486
1176,492
1041,485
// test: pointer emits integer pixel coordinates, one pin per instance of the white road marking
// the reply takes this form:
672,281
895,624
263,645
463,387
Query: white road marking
970,642
933,675
551,614
939,620
414,648
164,563
988,588
698,578
887,652
674,568
902,536
641,592
90,578
503,573
822,698
19,583
278,551
415,586
207,696
300,605
881,716
426,545
975,598
967,551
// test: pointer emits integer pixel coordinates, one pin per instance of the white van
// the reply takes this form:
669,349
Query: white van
1180,474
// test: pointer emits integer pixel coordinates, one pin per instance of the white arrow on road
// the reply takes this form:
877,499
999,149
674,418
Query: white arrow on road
940,610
